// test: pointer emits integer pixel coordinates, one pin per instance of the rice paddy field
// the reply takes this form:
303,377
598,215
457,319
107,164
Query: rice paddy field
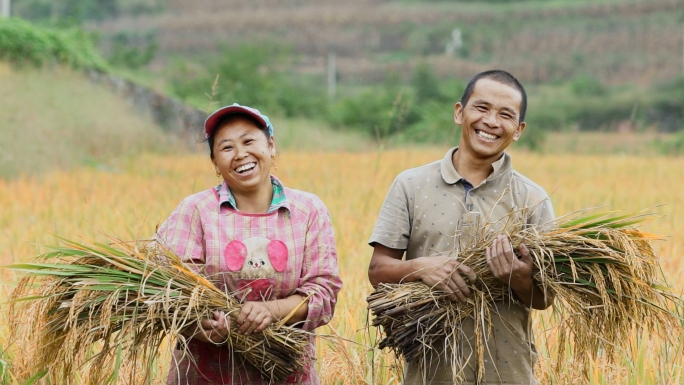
130,201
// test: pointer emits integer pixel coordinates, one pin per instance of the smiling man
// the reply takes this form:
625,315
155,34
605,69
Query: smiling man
432,211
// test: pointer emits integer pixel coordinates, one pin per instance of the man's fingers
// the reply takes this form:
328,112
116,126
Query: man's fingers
469,273
504,254
525,253
458,293
494,262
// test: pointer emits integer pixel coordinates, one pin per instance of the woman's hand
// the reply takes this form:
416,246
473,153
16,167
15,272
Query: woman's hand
213,331
254,317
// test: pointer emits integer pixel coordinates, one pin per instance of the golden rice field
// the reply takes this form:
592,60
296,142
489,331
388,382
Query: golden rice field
130,201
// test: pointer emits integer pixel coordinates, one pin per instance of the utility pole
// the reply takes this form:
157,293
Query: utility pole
5,8
332,72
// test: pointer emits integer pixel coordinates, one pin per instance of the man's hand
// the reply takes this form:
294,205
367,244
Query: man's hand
441,272
517,273
254,317
505,265
446,274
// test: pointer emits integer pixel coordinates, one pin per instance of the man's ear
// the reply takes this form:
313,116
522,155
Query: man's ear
458,113
519,131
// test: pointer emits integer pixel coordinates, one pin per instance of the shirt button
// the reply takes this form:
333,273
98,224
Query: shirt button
471,193
470,207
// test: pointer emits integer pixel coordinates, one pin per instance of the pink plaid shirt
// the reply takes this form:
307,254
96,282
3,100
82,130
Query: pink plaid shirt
268,256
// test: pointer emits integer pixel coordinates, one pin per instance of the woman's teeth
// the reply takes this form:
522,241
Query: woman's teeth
245,167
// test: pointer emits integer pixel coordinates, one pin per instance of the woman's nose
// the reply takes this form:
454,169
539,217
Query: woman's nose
239,152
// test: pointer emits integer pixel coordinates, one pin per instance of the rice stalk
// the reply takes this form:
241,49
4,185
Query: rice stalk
602,272
95,314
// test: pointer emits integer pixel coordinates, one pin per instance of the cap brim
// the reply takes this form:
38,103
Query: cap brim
213,119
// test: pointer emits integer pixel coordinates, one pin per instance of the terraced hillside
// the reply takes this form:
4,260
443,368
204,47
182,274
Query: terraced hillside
618,41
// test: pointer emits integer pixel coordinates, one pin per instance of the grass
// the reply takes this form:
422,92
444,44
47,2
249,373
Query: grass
87,202
55,118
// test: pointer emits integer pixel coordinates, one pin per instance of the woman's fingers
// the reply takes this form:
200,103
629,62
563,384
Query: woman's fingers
259,319
244,314
264,324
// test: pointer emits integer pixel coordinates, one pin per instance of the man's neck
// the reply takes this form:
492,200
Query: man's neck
472,168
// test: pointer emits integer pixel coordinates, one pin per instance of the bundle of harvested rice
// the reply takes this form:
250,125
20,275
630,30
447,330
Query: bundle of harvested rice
98,314
603,273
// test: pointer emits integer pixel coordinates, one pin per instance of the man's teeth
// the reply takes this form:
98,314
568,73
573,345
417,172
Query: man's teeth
245,167
485,135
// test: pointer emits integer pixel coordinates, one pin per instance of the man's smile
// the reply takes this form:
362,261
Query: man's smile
485,135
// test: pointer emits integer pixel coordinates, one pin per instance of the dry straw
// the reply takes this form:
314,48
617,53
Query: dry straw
99,314
603,273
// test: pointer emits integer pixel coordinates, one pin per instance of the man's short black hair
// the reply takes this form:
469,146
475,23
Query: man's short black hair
502,77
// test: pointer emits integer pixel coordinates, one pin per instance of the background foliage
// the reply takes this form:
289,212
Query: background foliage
22,43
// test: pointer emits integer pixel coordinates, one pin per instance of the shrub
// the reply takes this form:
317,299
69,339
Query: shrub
380,113
22,43
587,85
133,50
251,75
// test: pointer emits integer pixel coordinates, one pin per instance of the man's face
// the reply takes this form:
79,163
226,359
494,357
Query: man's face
490,119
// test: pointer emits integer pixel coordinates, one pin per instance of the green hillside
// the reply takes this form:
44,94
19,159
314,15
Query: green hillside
400,65
56,118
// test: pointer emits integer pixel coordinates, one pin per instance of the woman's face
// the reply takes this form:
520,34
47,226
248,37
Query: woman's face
242,155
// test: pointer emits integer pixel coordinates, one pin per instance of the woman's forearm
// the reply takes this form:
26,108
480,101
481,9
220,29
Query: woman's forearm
281,308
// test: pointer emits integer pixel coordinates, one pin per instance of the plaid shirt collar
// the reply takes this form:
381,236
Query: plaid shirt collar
279,198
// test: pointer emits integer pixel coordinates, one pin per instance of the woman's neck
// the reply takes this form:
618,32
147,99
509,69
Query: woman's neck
254,202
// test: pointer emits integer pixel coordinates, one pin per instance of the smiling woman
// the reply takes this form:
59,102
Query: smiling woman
273,247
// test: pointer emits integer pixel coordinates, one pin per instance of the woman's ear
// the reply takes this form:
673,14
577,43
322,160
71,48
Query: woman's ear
271,145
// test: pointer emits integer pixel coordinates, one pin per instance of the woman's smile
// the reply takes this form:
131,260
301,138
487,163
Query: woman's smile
243,157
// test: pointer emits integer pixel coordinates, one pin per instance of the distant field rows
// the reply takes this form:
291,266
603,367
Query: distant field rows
618,41
87,203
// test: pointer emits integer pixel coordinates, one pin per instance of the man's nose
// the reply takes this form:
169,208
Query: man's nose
491,119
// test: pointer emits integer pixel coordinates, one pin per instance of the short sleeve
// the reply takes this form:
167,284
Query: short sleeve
182,233
320,273
393,227
542,214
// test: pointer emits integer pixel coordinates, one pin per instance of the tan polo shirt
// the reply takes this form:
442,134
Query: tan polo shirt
422,213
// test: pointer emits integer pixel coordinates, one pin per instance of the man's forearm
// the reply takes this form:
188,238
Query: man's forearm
533,296
385,269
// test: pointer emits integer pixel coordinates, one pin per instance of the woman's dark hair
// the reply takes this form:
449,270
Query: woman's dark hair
502,77
230,119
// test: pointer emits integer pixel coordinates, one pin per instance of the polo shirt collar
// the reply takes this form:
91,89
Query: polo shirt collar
451,176
279,198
